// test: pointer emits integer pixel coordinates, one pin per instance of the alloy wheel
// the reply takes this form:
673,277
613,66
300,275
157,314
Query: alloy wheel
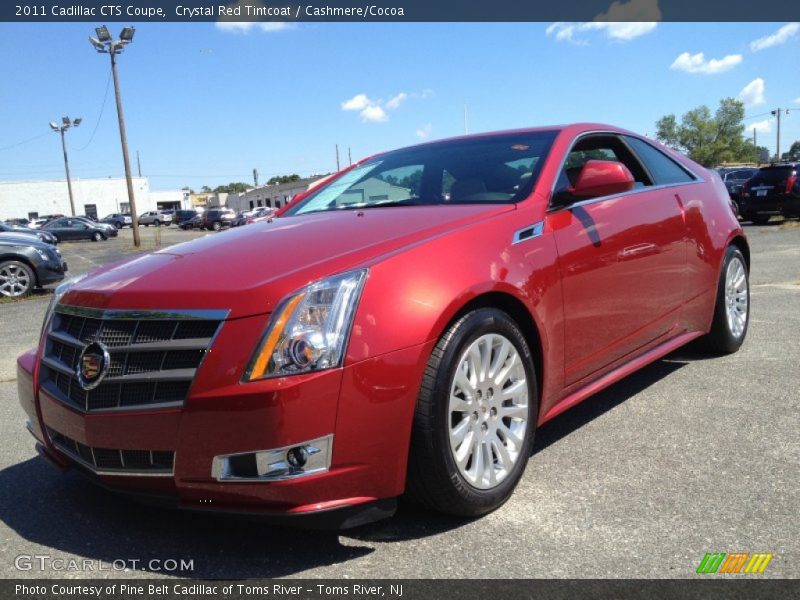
14,281
736,297
488,411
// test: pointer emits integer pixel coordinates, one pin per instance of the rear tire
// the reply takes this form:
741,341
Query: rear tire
732,308
475,417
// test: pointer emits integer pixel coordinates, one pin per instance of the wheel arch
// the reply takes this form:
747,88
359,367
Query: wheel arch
24,260
521,315
741,243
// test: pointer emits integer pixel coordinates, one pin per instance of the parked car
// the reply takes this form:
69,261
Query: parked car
734,179
73,228
37,223
773,190
118,220
215,219
27,263
263,214
155,217
109,229
242,218
43,236
18,222
196,222
183,215
403,328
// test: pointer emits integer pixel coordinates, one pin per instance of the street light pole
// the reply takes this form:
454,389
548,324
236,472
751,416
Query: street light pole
66,124
104,44
123,136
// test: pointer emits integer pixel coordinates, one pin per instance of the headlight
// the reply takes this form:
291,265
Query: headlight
309,329
43,255
58,293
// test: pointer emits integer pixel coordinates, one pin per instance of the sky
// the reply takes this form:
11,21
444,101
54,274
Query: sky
205,103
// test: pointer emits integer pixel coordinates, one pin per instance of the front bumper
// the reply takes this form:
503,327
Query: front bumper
367,407
50,272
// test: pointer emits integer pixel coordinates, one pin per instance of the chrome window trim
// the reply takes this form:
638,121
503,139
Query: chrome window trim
551,209
141,315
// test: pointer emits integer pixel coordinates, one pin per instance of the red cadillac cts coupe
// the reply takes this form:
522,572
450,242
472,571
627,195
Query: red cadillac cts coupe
402,328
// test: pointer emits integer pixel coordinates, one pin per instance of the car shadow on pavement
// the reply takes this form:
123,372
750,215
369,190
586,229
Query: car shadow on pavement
67,517
70,518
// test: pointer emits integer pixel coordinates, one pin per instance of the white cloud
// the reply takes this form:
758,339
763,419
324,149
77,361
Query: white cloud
764,126
373,114
396,101
797,100
776,39
247,26
424,131
357,102
697,63
617,31
753,93
374,111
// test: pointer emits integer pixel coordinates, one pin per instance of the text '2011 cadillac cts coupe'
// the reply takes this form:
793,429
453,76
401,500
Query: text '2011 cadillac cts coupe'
402,328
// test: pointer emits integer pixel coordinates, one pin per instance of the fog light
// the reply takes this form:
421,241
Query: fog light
297,457
278,464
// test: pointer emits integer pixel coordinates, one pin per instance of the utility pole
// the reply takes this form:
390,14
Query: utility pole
255,177
105,44
777,113
337,158
349,157
66,124
755,138
138,164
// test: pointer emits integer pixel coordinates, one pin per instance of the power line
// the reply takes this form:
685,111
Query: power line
41,135
99,116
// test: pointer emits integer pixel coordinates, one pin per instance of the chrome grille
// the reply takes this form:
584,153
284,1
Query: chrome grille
108,460
154,356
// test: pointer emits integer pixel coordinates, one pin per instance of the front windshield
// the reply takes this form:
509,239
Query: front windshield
491,170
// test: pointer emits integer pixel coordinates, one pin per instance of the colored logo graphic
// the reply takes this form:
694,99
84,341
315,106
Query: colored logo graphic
92,366
734,562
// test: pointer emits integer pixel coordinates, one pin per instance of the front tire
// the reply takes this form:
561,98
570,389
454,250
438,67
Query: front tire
97,236
16,279
216,226
732,308
475,417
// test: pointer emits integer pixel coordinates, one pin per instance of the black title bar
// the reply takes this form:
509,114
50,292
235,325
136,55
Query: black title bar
398,10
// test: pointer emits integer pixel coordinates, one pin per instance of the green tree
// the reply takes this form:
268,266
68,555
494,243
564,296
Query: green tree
205,189
793,153
709,139
283,179
232,188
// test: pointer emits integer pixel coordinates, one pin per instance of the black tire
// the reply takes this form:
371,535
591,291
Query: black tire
97,236
720,340
434,479
16,269
216,226
760,219
58,241
118,225
157,223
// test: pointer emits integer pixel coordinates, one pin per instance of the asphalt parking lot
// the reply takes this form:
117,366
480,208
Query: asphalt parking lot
688,456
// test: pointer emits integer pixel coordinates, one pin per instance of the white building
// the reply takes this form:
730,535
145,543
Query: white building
94,197
275,195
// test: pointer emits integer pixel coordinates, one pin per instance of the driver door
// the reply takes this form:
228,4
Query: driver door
622,261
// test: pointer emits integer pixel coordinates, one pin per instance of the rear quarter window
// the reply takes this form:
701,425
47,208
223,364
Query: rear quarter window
663,169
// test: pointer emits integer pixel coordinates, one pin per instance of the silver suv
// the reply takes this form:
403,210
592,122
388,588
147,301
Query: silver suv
155,217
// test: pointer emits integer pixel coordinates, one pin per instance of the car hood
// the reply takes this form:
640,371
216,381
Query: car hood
22,239
248,270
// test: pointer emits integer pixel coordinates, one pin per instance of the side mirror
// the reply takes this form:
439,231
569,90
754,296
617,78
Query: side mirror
602,178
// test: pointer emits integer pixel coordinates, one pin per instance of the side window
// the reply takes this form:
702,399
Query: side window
597,147
662,167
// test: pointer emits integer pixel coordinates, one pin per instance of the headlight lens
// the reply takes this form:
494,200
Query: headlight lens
58,293
44,255
309,330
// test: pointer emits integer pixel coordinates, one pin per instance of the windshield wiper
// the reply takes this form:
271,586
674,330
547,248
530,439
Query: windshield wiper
406,202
